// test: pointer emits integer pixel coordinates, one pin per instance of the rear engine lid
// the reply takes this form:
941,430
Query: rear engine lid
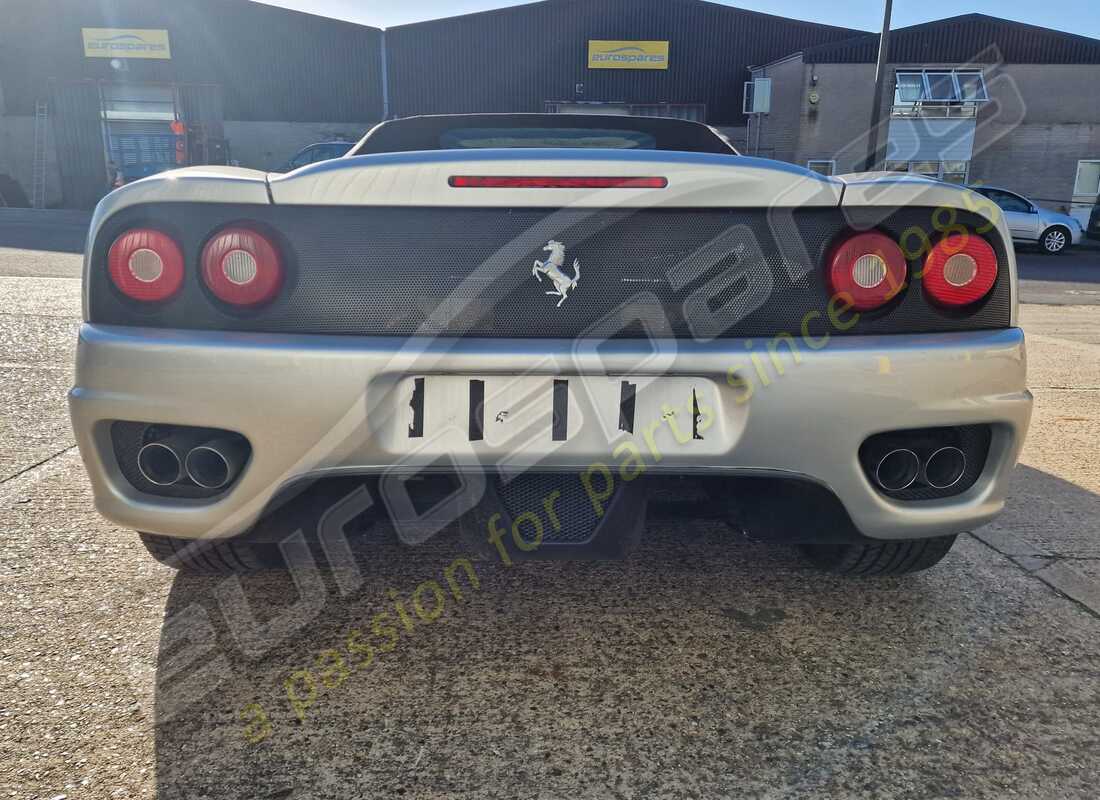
690,180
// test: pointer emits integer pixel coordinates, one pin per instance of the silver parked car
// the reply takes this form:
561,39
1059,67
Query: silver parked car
1053,231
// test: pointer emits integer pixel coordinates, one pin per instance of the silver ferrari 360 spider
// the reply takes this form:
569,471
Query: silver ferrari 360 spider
527,330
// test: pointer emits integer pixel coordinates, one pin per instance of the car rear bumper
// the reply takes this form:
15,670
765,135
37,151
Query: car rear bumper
315,405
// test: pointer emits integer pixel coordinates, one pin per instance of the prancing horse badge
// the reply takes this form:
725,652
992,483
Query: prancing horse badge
552,268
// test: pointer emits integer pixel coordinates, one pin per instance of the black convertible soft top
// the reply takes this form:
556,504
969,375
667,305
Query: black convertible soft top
475,131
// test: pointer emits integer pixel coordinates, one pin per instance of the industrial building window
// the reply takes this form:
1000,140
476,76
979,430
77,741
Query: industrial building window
1088,178
941,86
938,93
821,166
910,88
930,169
971,86
948,171
955,171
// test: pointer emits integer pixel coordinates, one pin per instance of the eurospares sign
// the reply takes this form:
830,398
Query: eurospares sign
604,54
126,43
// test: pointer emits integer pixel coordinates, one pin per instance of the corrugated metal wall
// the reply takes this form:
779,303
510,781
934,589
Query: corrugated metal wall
273,64
513,59
965,39
78,131
202,103
280,65
245,61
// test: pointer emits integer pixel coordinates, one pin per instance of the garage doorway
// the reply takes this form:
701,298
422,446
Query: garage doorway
117,131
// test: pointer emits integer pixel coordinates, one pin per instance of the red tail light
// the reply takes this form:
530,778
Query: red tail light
960,270
868,268
146,265
242,267
553,182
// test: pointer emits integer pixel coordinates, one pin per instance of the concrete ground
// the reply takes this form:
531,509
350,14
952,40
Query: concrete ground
1068,279
703,666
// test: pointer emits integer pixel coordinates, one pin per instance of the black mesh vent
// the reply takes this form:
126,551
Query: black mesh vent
127,438
973,440
689,273
530,493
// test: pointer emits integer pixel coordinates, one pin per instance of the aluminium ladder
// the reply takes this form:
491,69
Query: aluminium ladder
38,165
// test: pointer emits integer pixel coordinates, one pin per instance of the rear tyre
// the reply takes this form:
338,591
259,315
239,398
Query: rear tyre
1055,240
211,557
879,558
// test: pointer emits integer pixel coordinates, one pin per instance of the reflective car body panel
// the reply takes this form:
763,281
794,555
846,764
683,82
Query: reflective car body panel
796,403
316,405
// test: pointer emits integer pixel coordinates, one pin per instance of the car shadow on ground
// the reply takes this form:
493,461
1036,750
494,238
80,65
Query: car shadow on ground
1055,516
1078,265
54,231
701,664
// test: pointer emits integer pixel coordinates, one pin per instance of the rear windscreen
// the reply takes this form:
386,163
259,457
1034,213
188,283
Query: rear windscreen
620,139
505,131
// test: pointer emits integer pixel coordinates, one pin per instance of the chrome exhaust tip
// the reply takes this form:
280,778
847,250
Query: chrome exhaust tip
216,463
944,468
160,464
897,470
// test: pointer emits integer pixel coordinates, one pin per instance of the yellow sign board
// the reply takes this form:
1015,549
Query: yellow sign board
126,43
604,54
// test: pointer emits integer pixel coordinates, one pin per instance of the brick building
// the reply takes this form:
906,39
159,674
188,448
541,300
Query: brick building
969,99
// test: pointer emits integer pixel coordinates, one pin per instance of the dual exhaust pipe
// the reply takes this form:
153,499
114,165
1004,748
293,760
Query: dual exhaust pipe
901,467
209,463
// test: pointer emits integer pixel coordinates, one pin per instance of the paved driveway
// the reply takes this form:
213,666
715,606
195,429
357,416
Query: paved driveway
703,666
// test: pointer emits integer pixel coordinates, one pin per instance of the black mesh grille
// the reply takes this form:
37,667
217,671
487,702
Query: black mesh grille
530,493
127,438
691,273
973,440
